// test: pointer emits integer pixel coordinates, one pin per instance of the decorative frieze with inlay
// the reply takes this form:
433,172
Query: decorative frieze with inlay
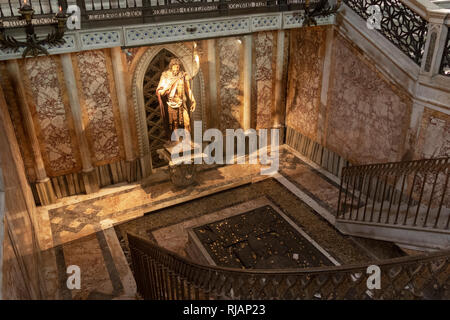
101,39
185,31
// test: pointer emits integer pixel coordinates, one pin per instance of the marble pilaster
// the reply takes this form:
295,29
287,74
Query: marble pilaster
278,117
326,74
89,177
43,185
212,67
118,70
248,40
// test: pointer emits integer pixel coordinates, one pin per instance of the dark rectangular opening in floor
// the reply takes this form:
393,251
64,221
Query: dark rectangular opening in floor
261,238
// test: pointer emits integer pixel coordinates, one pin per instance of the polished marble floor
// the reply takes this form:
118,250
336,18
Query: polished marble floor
90,230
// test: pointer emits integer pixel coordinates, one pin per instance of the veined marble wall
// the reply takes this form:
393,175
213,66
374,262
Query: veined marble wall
306,58
53,125
50,102
264,77
98,95
230,77
21,273
367,116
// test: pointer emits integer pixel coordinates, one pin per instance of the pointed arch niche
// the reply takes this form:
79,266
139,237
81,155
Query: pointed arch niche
152,59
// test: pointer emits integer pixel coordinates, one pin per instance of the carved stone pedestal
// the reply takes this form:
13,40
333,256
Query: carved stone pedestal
45,192
182,174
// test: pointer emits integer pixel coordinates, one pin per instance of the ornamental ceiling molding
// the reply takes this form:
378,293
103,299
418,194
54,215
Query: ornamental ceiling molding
185,55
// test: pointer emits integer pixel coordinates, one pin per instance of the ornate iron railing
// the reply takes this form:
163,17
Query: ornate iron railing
399,24
44,12
410,193
96,13
445,63
9,8
164,275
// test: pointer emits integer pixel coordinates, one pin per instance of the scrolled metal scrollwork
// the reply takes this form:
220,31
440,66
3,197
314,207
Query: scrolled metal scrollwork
322,9
400,25
34,46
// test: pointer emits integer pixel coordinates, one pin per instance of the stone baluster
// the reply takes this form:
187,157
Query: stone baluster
326,78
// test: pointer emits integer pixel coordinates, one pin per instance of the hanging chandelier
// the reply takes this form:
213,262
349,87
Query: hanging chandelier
33,45
322,9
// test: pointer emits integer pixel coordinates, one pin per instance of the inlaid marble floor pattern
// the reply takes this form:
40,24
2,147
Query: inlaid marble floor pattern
79,231
104,271
67,221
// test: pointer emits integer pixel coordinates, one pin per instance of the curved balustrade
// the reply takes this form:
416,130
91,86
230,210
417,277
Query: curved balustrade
399,24
164,275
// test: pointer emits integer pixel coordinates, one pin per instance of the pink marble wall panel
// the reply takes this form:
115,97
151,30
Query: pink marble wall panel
264,78
367,117
51,114
98,105
230,91
305,79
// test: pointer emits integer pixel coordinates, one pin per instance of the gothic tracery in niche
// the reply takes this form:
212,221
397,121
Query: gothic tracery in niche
155,128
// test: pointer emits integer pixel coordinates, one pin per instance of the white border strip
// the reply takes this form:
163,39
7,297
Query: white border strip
306,199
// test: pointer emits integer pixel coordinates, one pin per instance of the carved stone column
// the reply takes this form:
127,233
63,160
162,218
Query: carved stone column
246,123
118,71
326,75
43,185
279,113
90,177
212,68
